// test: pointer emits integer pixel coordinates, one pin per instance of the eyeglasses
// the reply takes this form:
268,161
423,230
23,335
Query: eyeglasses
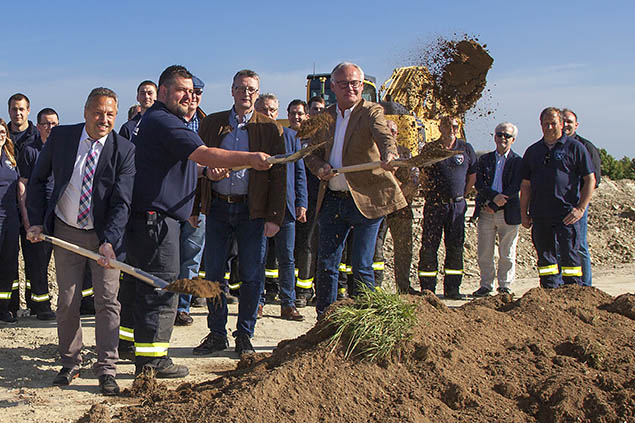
504,135
345,84
47,124
198,91
248,90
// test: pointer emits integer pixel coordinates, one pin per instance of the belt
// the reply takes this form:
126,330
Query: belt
447,201
340,194
230,198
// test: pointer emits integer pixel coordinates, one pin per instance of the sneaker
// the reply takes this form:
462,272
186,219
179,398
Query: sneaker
505,291
6,317
482,292
199,302
163,368
46,315
108,385
210,344
183,318
243,345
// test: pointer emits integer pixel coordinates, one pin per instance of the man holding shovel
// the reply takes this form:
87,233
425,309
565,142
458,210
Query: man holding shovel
94,171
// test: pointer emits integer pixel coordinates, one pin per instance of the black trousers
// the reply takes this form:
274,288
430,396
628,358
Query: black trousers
154,248
9,264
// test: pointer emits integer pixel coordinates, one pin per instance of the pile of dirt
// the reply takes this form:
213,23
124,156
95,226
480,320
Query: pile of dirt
562,355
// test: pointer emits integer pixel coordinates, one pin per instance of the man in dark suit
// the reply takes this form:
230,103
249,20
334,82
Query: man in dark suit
94,170
353,202
498,210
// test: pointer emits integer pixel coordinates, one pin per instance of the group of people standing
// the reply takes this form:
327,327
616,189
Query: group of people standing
177,192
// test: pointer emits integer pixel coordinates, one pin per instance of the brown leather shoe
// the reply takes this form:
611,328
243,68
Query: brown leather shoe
291,313
259,311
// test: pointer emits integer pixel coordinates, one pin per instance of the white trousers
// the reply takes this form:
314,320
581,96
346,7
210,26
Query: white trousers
490,225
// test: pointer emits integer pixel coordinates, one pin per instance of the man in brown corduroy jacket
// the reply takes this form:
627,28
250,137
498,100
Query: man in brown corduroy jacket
246,204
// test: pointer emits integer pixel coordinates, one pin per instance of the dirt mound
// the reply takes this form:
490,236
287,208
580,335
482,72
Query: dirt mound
550,356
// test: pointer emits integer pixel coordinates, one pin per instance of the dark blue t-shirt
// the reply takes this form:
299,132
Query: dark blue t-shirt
556,176
26,164
165,179
446,179
8,187
127,129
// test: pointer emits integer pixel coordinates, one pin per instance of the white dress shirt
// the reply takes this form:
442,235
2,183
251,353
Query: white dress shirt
67,207
338,182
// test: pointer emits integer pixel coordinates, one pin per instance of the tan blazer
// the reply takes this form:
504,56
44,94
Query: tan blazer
375,192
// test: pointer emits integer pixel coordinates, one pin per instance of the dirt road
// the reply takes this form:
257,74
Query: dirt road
28,355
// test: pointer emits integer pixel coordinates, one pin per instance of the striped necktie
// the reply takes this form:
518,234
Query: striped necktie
87,185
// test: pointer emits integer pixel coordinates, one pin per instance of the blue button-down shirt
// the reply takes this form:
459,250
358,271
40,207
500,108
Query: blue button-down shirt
193,124
237,140
497,184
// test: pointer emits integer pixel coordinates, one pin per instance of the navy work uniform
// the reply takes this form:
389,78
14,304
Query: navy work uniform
162,198
444,211
9,233
556,176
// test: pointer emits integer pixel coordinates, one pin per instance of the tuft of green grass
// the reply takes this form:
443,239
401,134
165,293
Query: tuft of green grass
373,325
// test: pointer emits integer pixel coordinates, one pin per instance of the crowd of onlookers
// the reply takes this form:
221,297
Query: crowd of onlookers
182,194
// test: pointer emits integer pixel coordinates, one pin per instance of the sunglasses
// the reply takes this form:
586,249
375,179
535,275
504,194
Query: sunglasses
198,91
504,135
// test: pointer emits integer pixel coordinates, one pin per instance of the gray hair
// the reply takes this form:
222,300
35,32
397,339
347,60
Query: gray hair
101,92
246,73
507,125
339,67
269,96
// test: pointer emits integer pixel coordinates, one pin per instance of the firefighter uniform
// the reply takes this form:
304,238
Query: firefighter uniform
556,176
444,212
163,197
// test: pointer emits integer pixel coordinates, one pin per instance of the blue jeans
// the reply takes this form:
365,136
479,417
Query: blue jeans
192,241
585,257
284,243
336,219
225,221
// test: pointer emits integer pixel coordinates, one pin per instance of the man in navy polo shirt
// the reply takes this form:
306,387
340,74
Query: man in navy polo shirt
146,96
163,196
445,185
553,169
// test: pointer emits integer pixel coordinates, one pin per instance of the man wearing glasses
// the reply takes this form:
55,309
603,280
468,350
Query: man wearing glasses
39,256
352,203
246,204
445,186
498,211
553,170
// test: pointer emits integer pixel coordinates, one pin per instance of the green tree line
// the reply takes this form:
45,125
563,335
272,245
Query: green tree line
617,169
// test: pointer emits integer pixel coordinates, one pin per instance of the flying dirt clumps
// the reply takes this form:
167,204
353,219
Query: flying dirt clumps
458,69
200,287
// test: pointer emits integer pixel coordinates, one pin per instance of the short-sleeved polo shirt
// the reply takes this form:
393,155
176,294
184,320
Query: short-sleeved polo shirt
165,179
446,179
556,176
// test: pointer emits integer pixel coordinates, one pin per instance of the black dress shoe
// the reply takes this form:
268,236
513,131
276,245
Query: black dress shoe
482,292
65,376
108,385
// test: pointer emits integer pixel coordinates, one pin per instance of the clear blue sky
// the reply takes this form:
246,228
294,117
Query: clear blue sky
574,54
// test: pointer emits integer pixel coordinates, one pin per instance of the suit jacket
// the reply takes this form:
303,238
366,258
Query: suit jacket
376,193
112,183
267,189
296,175
485,169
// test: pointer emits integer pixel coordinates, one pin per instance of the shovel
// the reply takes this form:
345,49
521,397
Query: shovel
427,157
288,157
198,287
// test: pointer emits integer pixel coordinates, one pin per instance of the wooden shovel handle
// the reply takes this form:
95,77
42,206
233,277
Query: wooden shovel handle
126,268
